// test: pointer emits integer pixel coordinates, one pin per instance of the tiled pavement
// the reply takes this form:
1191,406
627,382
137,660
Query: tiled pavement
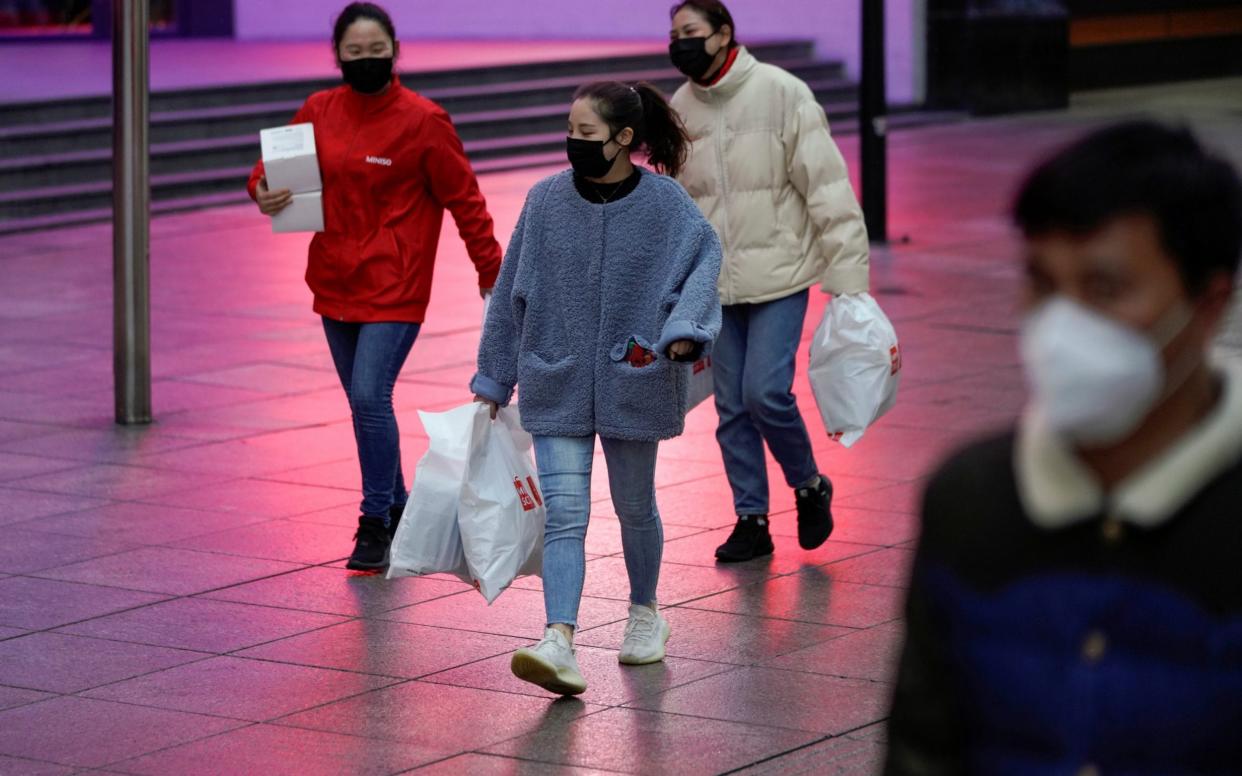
172,599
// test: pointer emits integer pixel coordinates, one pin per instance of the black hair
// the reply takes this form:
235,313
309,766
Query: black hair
1142,168
641,107
716,14
355,11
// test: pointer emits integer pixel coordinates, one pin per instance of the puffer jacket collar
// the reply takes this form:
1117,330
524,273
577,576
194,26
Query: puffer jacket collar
728,86
1058,490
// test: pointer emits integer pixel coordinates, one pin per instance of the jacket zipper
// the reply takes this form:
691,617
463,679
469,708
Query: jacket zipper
726,238
349,155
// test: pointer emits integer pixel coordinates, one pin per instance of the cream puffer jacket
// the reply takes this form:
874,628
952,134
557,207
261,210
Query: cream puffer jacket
769,177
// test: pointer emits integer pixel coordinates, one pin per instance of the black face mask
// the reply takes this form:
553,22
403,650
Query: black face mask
690,56
587,157
369,75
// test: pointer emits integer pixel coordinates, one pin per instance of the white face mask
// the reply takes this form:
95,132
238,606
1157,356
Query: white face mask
1093,379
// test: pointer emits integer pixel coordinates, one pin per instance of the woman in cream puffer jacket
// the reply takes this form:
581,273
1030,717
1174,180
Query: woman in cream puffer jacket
768,176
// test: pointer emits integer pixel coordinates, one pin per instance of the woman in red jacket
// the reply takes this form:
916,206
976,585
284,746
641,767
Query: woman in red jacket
391,163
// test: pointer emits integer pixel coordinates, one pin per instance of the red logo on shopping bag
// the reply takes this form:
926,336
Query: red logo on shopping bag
836,437
894,355
701,364
534,489
528,503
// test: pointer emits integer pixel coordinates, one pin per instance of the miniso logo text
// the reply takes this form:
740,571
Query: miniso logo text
379,160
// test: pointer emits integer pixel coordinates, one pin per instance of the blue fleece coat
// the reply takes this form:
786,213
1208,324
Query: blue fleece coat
578,282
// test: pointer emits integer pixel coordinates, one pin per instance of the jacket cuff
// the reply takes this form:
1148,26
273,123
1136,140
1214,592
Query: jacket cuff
839,281
682,330
487,279
489,389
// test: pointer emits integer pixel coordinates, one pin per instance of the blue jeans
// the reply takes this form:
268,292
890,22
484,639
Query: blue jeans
753,363
368,358
565,477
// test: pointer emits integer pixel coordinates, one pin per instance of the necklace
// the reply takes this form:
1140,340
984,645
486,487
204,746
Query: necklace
605,200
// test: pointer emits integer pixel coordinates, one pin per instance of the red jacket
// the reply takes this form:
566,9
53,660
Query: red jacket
391,164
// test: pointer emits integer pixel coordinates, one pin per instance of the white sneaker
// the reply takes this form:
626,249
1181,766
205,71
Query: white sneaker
645,636
550,664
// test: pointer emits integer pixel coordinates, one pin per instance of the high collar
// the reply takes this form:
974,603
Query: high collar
743,65
730,58
370,103
1057,489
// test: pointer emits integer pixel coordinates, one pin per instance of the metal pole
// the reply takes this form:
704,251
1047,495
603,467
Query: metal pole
873,121
131,201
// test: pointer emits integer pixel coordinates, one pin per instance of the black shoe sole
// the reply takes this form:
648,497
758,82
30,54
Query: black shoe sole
762,553
354,565
813,534
358,565
814,542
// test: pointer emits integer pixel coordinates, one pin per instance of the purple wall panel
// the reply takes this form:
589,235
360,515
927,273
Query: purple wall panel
834,24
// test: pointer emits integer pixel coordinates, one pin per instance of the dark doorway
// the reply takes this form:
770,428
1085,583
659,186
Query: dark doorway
79,19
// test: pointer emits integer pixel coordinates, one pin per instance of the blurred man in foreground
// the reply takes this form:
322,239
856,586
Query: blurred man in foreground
1076,603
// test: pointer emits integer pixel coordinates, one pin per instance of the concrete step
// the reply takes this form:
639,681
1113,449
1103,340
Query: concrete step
208,149
46,207
97,195
199,123
100,214
296,91
55,157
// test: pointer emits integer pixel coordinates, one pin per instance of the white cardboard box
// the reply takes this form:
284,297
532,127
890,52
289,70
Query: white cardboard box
304,214
289,158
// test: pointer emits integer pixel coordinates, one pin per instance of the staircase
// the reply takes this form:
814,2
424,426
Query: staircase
55,157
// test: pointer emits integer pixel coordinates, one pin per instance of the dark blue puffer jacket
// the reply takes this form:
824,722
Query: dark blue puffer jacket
1087,649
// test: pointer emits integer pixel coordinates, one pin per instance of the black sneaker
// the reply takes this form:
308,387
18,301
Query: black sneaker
394,518
750,539
814,513
370,545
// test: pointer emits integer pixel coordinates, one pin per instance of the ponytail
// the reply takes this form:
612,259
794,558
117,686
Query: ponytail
664,135
657,127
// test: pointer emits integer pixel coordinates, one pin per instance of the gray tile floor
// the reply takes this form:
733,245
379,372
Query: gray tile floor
172,599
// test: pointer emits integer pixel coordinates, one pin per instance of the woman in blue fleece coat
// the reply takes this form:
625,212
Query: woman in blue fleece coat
607,292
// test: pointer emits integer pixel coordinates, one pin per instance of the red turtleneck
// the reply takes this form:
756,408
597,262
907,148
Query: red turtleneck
724,70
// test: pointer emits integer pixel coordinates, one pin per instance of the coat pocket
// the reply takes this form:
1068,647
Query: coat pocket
547,390
644,386
636,352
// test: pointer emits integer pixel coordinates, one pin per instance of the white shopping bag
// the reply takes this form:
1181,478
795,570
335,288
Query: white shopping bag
855,366
502,514
701,382
427,540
